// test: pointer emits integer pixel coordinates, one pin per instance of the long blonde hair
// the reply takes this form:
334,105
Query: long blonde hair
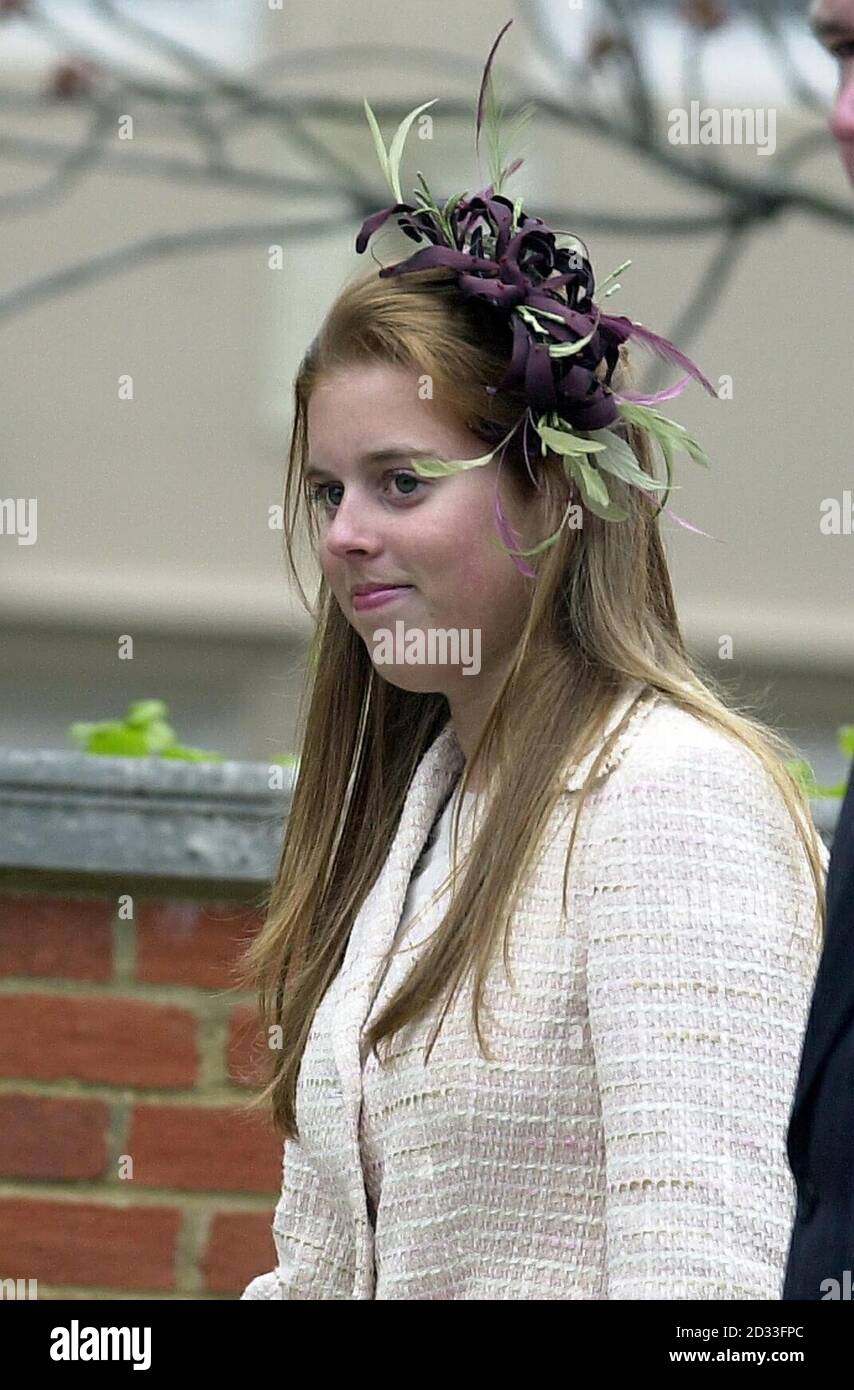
602,616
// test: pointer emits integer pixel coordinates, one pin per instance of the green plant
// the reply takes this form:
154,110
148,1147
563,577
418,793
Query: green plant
801,769
145,733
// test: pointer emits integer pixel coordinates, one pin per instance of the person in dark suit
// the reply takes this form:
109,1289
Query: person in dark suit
820,1141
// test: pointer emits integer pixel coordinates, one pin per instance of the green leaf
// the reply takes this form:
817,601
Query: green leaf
81,733
192,755
802,771
118,741
567,349
669,434
594,491
620,460
613,275
839,790
650,419
396,152
563,442
379,145
159,736
144,733
442,468
429,197
143,712
697,453
533,316
550,540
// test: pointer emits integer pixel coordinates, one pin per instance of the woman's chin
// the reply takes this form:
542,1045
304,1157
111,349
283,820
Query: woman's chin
418,680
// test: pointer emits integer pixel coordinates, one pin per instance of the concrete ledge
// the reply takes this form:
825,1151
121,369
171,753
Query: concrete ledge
73,816
143,817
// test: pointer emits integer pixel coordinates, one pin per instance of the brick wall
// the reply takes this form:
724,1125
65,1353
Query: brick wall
129,1166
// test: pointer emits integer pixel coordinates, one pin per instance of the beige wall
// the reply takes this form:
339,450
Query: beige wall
153,513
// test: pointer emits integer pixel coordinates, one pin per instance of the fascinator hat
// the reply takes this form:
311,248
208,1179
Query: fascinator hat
565,348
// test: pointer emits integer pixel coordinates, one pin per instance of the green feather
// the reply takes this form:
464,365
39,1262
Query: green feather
443,468
620,460
390,162
594,491
562,442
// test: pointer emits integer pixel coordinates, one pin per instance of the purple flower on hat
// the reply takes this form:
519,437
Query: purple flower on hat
512,262
564,347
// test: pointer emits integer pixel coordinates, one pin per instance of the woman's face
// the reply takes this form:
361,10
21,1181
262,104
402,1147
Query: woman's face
378,522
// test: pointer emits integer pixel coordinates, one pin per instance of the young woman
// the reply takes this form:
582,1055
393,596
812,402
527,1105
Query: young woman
560,1063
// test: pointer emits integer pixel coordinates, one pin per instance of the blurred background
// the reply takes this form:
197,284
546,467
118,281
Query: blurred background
153,156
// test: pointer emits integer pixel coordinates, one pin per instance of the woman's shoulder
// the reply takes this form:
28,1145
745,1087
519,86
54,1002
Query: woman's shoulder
677,766
656,736
669,739
667,758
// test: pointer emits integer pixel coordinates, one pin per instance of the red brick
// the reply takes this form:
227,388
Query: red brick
70,938
240,1245
120,1042
199,1149
89,1243
186,943
248,1058
47,1138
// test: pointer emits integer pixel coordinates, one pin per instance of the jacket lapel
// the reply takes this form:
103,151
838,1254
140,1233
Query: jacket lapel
377,921
372,935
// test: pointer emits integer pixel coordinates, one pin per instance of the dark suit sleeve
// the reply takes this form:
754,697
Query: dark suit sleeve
821,1129
840,875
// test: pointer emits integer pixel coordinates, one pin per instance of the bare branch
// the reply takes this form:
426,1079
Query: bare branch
69,170
227,85
706,296
211,103
160,247
140,165
643,113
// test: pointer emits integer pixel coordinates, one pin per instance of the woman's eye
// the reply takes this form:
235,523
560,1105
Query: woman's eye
319,492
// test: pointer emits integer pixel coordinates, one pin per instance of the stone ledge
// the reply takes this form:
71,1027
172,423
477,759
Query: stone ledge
145,817
156,818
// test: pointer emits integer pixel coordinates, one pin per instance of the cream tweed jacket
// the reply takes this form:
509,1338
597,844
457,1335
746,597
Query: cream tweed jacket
627,1141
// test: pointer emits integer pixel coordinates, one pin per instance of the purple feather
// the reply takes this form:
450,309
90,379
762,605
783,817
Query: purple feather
662,347
638,397
688,526
510,539
481,100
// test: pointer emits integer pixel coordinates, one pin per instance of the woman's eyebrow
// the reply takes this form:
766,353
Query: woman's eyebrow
375,456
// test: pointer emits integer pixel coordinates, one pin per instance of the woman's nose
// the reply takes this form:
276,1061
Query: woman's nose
842,120
350,527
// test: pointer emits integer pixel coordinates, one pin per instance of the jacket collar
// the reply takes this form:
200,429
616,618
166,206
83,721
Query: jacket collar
576,771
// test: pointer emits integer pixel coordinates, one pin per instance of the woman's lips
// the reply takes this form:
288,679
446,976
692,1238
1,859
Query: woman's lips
376,597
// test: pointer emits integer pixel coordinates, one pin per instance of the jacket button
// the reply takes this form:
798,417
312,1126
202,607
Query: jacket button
807,1199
